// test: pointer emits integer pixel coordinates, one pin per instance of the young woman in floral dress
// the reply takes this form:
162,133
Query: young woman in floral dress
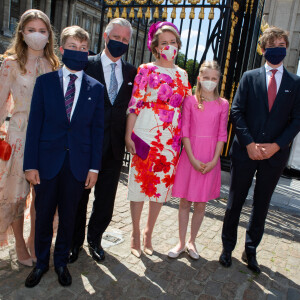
30,55
155,117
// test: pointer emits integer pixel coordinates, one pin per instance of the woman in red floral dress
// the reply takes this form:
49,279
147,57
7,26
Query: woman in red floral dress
155,118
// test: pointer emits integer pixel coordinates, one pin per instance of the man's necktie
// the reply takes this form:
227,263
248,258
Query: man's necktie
272,89
113,86
69,96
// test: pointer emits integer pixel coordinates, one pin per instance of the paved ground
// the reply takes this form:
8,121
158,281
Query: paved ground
123,276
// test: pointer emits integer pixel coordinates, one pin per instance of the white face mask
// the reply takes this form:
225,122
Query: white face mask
208,85
36,40
168,52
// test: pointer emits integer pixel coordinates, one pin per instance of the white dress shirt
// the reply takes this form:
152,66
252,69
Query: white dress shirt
278,75
66,80
107,70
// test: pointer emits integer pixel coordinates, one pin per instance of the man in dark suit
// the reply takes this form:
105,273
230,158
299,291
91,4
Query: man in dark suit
63,150
117,76
265,114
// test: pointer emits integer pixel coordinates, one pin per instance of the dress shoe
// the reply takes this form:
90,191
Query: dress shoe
250,260
64,276
136,252
35,277
96,252
148,251
193,254
74,252
225,258
174,254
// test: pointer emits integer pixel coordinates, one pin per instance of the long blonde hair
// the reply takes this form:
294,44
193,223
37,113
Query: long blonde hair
19,48
212,65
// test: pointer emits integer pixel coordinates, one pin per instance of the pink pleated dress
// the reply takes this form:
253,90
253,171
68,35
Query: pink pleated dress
204,128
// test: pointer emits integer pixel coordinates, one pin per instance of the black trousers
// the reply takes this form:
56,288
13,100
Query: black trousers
105,193
242,174
63,192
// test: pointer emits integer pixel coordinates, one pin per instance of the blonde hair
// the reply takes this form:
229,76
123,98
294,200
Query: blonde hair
211,65
154,42
272,33
75,32
19,48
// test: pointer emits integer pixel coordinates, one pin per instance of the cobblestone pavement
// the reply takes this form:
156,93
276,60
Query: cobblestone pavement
123,276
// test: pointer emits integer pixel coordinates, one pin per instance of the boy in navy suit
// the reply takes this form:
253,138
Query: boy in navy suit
63,149
265,114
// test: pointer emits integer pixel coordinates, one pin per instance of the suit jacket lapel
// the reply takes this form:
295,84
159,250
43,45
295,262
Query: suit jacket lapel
262,87
285,85
82,97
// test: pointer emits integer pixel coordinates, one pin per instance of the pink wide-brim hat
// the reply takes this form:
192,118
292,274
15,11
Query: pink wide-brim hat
154,27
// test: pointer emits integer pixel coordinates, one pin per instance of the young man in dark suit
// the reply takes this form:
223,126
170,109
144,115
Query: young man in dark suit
266,117
117,76
63,149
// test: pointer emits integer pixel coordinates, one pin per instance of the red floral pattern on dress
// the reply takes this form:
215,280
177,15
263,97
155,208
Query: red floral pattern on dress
159,97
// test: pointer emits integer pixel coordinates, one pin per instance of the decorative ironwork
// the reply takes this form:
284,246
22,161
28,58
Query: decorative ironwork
231,29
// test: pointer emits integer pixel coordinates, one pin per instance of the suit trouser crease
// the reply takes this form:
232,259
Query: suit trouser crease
103,205
242,174
63,191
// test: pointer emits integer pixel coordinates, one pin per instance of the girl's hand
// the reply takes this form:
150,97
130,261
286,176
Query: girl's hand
208,167
198,165
130,146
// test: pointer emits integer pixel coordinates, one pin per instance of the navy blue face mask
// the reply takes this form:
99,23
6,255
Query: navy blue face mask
75,60
275,55
116,48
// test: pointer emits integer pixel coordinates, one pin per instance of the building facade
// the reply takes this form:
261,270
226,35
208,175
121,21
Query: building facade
286,15
63,13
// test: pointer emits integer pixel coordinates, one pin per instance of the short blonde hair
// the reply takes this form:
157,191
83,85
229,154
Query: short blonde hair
75,32
154,42
272,33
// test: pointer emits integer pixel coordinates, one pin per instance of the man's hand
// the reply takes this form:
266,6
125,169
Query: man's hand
268,150
130,146
254,151
33,176
91,180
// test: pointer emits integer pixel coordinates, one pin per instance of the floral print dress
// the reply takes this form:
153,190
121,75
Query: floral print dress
15,99
157,97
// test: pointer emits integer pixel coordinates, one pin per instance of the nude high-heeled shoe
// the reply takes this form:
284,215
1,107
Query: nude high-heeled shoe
25,262
148,251
136,252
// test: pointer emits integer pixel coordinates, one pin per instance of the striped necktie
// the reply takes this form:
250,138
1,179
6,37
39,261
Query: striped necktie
69,96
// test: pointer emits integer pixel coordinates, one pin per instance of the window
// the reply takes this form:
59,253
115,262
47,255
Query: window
13,24
87,24
77,19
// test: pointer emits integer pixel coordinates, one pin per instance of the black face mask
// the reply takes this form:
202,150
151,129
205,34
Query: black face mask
75,60
116,48
275,55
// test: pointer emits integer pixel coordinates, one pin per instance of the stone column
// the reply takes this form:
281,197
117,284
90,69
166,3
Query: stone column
71,14
42,5
93,33
48,8
6,18
28,4
64,16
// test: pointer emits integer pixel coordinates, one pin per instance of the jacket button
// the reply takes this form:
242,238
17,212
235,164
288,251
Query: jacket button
263,133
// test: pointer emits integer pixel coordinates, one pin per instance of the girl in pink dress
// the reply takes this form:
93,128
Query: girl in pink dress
198,175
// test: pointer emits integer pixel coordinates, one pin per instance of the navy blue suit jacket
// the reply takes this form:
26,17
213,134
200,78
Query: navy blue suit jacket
50,135
252,120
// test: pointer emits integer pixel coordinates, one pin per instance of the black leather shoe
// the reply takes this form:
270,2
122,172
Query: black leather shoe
250,260
74,252
64,276
97,252
35,277
225,259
